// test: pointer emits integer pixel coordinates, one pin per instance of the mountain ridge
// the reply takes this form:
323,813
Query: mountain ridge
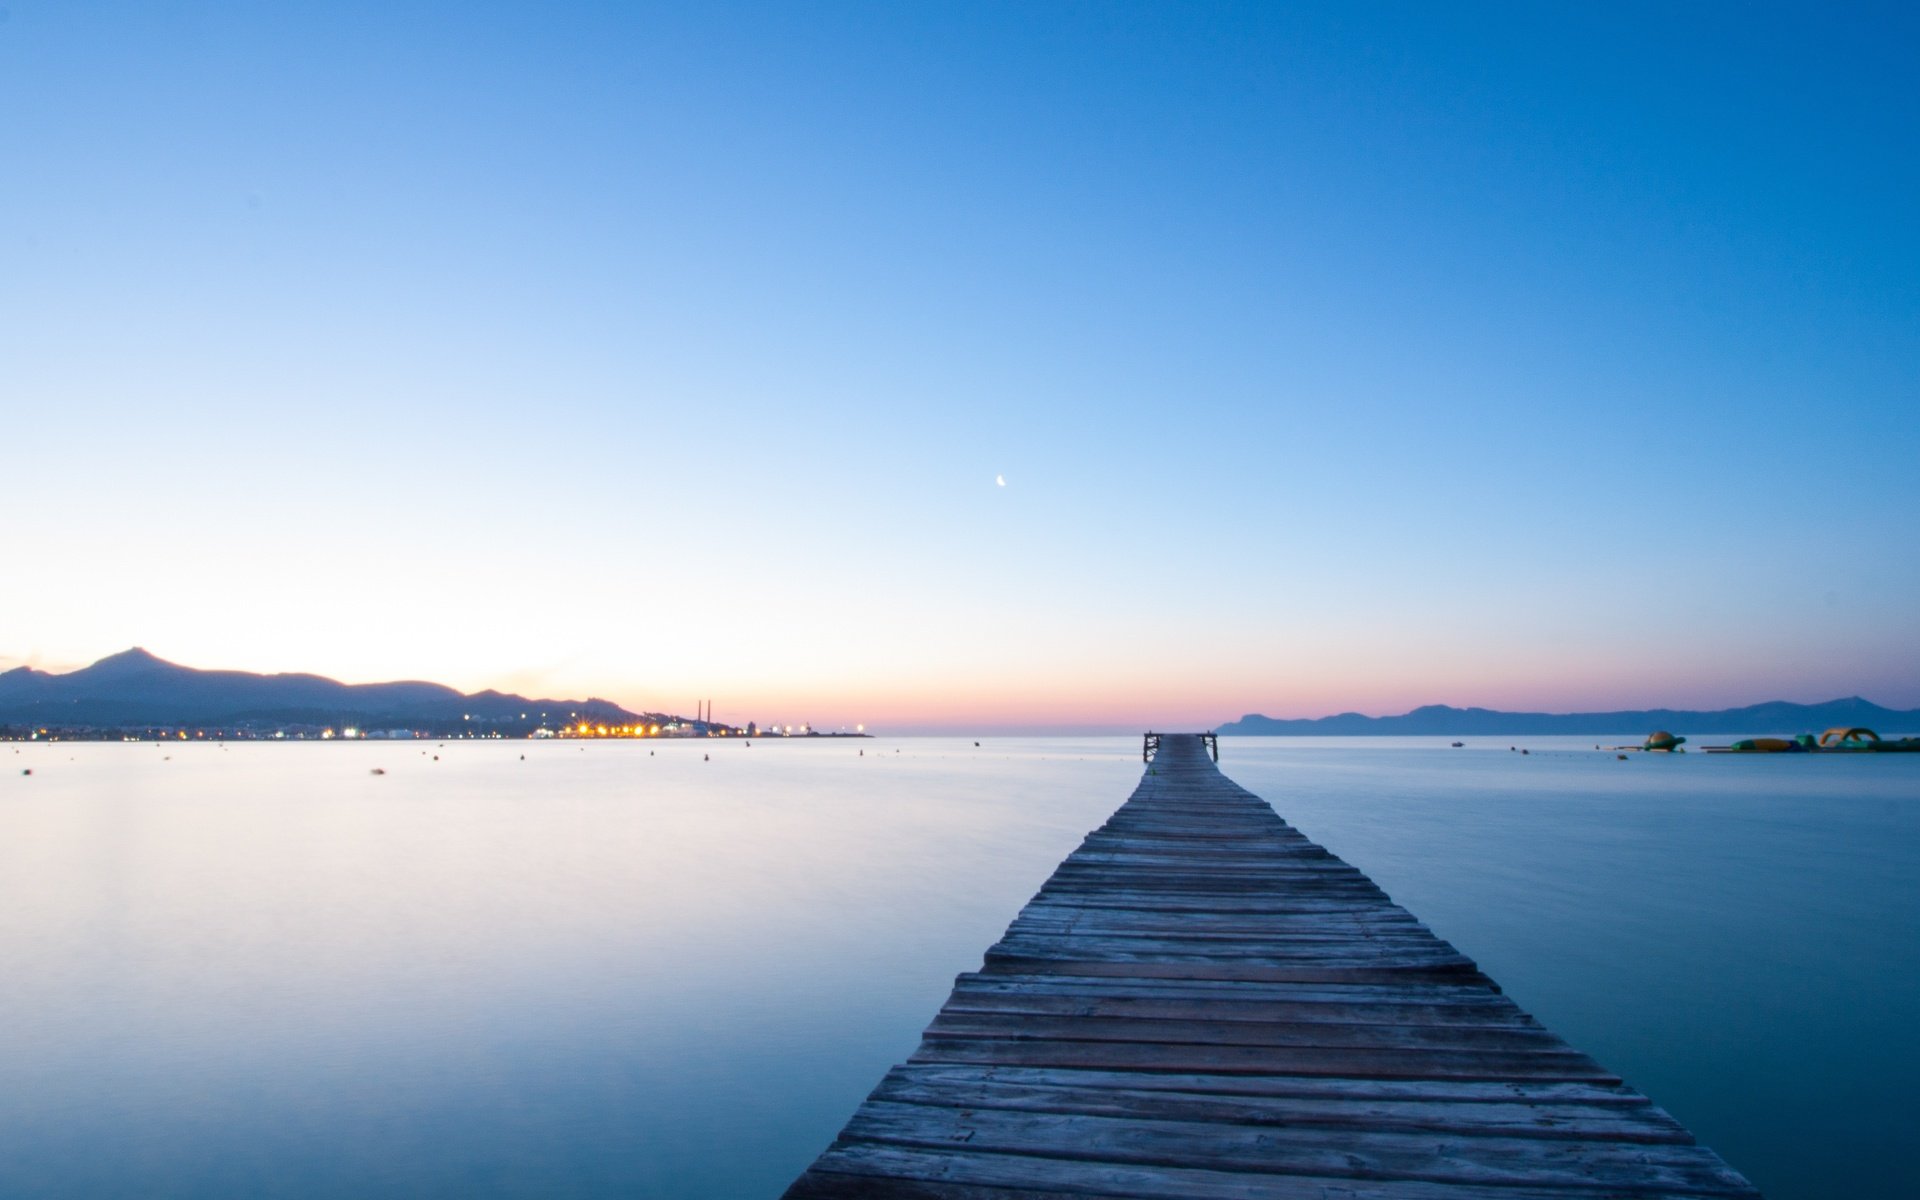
1439,720
137,689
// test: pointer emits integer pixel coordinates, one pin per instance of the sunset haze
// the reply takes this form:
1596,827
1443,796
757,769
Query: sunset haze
972,366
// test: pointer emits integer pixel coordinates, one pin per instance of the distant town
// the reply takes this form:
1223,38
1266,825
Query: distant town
662,727
135,697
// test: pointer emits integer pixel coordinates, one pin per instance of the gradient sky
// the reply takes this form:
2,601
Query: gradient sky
1335,356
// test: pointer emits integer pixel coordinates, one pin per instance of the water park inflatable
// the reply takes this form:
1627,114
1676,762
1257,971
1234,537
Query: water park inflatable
1839,740
1854,739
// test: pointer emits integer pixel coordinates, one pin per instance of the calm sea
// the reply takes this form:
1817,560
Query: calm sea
674,970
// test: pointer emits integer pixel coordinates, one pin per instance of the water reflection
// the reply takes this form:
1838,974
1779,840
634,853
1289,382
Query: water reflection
595,971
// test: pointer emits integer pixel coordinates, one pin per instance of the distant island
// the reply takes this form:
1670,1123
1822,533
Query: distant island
1440,720
135,694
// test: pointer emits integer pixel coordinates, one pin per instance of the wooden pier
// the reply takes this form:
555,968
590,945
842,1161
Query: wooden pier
1201,1003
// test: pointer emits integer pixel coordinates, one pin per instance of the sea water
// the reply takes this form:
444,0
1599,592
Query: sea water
674,968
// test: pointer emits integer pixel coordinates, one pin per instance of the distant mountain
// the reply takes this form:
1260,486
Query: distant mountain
1440,720
133,689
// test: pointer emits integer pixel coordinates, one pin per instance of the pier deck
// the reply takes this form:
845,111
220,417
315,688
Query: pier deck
1203,1003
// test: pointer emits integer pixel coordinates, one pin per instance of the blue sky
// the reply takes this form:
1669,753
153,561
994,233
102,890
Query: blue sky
1334,356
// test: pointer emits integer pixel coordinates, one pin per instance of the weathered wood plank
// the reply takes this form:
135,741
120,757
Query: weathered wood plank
1280,1150
1059,910
1539,1119
1363,971
887,1172
1051,917
1467,1091
954,1023
1281,903
1282,948
1177,1009
1357,1062
1396,992
1092,952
